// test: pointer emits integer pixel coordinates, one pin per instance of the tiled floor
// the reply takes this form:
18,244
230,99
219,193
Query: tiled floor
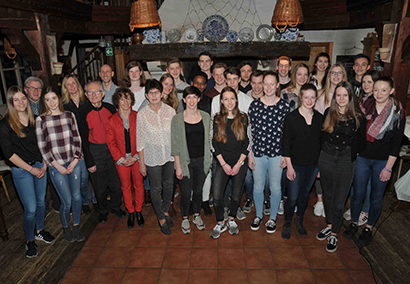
116,254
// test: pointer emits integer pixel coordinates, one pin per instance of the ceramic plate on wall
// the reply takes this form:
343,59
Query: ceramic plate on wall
215,28
190,35
265,33
246,35
174,35
232,36
200,35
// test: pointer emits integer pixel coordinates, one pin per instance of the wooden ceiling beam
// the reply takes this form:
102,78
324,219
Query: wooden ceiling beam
11,18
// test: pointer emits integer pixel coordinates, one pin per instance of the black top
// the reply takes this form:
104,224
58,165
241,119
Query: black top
345,135
127,139
245,89
195,139
356,85
302,142
284,86
24,147
232,149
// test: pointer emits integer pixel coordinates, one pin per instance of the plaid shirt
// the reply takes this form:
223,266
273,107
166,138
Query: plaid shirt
58,138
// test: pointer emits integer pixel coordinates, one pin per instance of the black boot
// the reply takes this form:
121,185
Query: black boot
299,226
131,218
206,208
140,219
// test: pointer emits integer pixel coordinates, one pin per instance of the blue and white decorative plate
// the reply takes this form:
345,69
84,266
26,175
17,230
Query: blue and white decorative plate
152,35
215,28
200,35
174,35
290,34
232,36
277,36
246,35
190,35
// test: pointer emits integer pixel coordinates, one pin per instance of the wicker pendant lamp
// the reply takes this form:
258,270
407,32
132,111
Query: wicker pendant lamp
287,13
144,14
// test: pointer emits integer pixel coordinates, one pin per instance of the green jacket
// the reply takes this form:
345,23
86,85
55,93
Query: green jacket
179,146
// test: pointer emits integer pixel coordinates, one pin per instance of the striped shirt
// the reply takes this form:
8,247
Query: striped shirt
58,138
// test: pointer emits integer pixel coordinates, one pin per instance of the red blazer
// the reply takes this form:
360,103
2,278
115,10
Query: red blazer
115,135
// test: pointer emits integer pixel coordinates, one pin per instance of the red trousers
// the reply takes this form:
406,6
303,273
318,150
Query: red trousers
125,174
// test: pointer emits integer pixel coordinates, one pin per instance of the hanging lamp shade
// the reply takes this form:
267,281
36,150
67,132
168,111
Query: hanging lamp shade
144,14
287,13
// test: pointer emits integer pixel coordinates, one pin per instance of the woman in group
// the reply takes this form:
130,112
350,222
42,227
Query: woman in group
336,75
366,91
74,100
154,148
301,145
28,169
230,144
169,94
59,142
300,76
135,81
267,115
121,141
385,125
344,137
190,147
320,71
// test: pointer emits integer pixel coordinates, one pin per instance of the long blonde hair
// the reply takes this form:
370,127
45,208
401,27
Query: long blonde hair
172,98
325,90
11,113
66,95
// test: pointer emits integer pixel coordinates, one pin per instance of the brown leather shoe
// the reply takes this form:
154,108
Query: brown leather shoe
147,198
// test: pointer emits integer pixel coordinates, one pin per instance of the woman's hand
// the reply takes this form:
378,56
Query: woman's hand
43,170
235,169
128,162
143,170
179,173
251,161
93,169
36,172
72,166
385,175
62,170
282,163
291,174
227,169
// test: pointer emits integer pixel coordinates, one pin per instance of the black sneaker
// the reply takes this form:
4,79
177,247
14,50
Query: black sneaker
270,226
256,224
350,231
68,235
103,218
78,235
165,229
324,234
299,226
331,243
86,209
248,206
287,229
365,237
45,237
120,213
169,221
31,250
206,208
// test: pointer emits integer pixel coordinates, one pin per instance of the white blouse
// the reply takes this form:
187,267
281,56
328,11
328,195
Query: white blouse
154,135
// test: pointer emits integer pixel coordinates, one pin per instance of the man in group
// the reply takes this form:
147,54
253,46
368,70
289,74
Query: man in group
109,87
233,78
246,70
205,62
256,84
204,104
218,75
33,87
98,158
174,68
283,66
360,67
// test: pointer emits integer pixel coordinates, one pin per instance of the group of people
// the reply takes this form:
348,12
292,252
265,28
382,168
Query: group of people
231,129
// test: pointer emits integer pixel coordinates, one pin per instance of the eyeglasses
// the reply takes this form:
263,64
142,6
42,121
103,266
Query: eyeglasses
95,93
154,92
334,73
34,89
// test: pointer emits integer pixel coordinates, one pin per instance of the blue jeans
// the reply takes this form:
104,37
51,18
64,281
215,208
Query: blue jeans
298,190
32,193
263,166
367,169
85,197
366,204
68,188
249,186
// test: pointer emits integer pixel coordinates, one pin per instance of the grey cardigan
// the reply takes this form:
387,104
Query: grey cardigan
179,146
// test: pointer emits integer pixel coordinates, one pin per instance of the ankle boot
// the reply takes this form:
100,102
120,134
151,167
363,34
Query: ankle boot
299,226
131,218
140,219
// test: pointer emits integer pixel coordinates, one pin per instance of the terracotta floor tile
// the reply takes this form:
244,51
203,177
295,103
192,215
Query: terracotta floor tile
227,240
312,223
179,239
257,276
232,276
171,276
149,238
332,276
88,256
76,275
276,240
255,239
295,276
115,257
231,258
99,238
258,258
204,258
122,238
106,275
203,276
362,276
151,222
351,258
343,242
111,223
289,258
177,258
319,258
147,257
202,239
311,241
149,276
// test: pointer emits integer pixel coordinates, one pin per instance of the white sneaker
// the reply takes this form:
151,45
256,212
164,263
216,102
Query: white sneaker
363,218
347,215
185,226
233,227
281,210
218,230
318,208
240,214
199,223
